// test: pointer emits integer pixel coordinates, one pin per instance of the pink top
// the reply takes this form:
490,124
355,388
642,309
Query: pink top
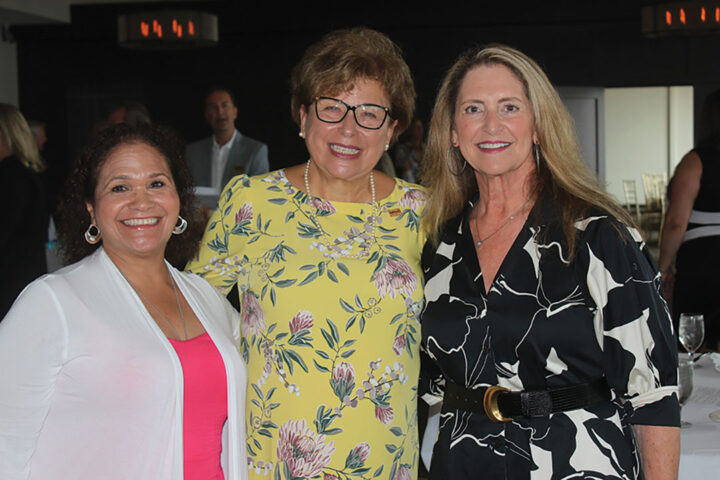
205,407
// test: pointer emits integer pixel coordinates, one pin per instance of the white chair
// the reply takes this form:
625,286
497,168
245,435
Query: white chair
631,200
654,186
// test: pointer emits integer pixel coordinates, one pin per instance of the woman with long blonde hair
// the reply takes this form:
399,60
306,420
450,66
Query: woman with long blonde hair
25,218
545,332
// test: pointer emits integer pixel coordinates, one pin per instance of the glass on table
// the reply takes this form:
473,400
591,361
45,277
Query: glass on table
691,332
685,383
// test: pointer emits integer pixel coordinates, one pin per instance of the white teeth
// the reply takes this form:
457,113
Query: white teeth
134,222
344,150
494,145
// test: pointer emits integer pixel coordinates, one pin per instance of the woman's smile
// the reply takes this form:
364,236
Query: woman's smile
344,151
141,222
493,147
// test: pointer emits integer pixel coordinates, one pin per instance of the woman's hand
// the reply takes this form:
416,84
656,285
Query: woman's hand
668,284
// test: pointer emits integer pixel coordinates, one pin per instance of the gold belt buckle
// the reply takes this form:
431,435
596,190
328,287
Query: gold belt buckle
490,404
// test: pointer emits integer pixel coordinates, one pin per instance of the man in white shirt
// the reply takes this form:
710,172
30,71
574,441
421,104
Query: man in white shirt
213,161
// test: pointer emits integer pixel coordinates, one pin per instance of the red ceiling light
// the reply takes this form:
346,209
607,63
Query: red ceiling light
681,18
170,29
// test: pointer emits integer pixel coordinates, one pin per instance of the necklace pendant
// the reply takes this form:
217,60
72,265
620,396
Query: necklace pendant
479,243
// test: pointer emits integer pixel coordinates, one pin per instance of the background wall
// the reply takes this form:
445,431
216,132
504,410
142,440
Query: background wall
647,130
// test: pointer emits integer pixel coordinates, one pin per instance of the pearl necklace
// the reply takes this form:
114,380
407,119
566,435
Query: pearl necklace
336,247
509,219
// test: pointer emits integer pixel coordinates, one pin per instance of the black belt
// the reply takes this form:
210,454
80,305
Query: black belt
502,405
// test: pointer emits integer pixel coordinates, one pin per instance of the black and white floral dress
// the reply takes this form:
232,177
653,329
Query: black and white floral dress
548,323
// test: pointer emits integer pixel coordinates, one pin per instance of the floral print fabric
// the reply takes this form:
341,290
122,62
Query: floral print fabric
331,342
549,323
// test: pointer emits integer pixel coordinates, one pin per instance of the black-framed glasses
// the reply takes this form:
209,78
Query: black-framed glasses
367,115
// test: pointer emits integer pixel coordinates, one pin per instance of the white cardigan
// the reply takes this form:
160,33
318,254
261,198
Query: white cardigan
91,388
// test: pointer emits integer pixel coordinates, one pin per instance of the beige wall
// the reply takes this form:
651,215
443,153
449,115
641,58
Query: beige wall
647,130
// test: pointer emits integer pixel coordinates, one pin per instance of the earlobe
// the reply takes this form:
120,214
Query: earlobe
453,138
391,131
90,211
303,118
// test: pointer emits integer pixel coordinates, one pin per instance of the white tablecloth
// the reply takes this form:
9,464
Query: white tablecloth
700,443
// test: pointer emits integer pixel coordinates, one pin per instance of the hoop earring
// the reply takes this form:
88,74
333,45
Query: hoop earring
450,161
536,151
90,237
181,226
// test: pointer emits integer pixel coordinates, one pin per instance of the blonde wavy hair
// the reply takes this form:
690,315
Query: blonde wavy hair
562,174
18,137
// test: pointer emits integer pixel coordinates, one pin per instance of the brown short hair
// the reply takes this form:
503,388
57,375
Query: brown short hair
342,57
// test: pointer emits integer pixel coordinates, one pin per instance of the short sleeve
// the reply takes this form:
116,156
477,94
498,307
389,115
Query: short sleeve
214,261
33,340
631,319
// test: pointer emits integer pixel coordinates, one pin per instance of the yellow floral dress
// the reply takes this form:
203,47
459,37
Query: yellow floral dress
330,340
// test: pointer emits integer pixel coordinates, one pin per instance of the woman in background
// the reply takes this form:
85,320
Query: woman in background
25,217
547,337
691,232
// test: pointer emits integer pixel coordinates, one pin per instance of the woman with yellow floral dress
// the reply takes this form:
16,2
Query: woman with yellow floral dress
326,257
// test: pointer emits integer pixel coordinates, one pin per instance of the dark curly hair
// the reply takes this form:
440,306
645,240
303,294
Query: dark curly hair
80,188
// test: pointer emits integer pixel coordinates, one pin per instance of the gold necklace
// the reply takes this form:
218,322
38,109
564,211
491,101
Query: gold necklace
509,219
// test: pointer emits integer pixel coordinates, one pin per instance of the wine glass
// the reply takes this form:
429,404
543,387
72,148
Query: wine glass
685,384
691,332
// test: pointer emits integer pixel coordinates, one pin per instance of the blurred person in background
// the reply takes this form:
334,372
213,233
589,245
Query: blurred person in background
408,153
25,213
690,238
130,112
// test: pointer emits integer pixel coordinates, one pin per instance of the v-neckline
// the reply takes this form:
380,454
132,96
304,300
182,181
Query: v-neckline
469,250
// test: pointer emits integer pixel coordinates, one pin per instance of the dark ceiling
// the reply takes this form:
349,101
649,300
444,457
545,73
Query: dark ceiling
71,74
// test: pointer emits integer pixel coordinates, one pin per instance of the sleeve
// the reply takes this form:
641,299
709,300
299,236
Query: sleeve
219,260
431,385
33,344
259,163
632,321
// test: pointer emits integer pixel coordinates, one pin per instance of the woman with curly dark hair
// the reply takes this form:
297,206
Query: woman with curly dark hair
135,358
